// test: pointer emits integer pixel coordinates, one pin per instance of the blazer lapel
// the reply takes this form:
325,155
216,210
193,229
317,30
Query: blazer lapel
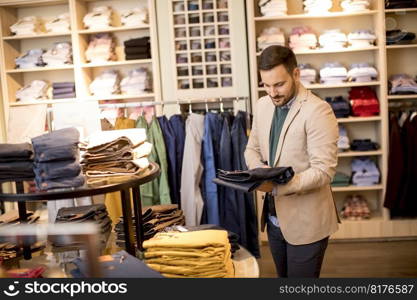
295,108
267,114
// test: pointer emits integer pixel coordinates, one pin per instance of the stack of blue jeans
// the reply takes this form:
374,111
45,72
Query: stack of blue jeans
16,162
57,160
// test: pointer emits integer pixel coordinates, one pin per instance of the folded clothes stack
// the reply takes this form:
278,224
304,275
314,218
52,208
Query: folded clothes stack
333,73
248,181
63,90
31,59
333,39
26,26
196,254
364,102
270,36
362,72
95,213
402,84
36,90
118,153
317,7
343,141
16,162
364,145
399,37
137,81
59,55
308,74
101,48
273,8
106,84
10,250
99,18
59,24
361,38
355,208
355,5
12,218
57,160
155,219
340,179
302,38
340,106
138,48
364,172
117,265
134,17
392,4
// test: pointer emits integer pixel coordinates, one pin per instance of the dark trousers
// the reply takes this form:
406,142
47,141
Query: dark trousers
297,261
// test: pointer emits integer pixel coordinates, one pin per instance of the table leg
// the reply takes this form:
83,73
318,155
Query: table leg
138,217
127,221
23,218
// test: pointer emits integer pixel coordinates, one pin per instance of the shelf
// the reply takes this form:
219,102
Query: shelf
400,10
117,63
359,119
113,29
40,69
119,97
377,218
43,35
49,101
323,51
401,97
359,153
333,86
354,188
305,16
401,46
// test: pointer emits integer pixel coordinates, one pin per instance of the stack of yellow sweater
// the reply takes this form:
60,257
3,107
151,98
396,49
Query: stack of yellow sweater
196,254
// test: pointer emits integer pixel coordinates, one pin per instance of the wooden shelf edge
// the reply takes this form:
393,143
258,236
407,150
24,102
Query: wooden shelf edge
354,188
114,29
306,16
359,153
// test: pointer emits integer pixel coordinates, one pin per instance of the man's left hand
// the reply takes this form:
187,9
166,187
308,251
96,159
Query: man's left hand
266,187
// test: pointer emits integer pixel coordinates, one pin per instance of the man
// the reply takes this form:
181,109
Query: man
293,127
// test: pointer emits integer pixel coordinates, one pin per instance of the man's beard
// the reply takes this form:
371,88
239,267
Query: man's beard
286,98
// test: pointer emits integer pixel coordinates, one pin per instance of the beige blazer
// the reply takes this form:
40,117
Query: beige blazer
308,143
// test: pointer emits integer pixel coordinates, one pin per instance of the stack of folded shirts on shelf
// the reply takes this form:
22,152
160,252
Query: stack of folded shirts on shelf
302,38
402,84
364,172
392,4
35,272
317,7
59,24
36,90
155,219
63,90
134,17
340,179
308,74
31,59
196,254
333,73
96,214
118,265
363,145
118,153
57,160
59,55
138,81
355,5
333,39
355,208
361,38
364,102
99,18
340,106
100,48
399,37
343,141
270,36
138,48
16,162
26,26
362,72
106,84
273,8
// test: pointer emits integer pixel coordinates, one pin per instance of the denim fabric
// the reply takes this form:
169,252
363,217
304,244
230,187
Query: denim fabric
66,152
178,127
211,146
58,169
246,207
59,85
15,151
60,183
171,145
16,170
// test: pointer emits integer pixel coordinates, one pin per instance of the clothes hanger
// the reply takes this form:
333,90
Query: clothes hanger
190,107
221,105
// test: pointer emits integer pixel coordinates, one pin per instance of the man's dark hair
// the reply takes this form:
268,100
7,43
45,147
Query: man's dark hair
277,55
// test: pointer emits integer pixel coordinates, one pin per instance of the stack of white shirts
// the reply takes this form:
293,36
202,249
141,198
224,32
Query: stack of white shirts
308,74
362,72
361,38
99,18
36,90
302,38
137,82
333,73
272,8
134,17
271,36
107,83
31,59
59,24
333,39
355,5
26,26
100,48
59,55
317,7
